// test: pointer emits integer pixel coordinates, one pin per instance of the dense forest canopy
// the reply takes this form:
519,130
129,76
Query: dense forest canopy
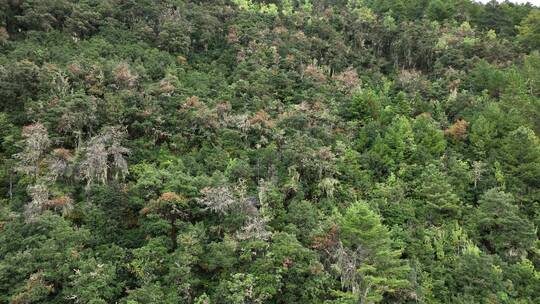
280,151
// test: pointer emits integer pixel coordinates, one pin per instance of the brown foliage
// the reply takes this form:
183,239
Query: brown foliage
315,73
223,107
33,129
458,130
261,118
232,36
326,241
168,205
287,262
94,80
241,55
300,35
348,79
61,201
145,210
63,153
166,87
413,81
124,76
74,68
170,197
424,114
326,154
280,30
454,85
409,76
181,59
192,102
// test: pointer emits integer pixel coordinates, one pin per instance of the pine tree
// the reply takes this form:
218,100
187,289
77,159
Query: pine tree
501,228
529,30
436,199
169,206
519,156
429,139
367,260
399,138
481,136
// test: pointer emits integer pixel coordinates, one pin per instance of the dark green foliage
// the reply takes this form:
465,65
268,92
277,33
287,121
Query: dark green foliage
290,151
500,227
370,265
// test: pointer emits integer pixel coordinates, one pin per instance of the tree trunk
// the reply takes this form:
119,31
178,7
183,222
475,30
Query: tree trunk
10,185
174,233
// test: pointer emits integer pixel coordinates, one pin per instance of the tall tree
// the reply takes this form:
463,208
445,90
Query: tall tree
501,228
368,261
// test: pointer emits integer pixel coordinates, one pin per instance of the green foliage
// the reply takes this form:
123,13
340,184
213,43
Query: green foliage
501,228
368,245
94,282
246,151
39,256
436,196
529,30
520,158
429,139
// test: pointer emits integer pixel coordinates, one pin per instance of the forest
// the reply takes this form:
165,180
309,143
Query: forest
269,151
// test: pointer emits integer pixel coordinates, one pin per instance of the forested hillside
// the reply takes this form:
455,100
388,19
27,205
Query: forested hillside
279,151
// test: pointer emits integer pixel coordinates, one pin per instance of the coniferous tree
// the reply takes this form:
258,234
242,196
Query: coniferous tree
368,262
